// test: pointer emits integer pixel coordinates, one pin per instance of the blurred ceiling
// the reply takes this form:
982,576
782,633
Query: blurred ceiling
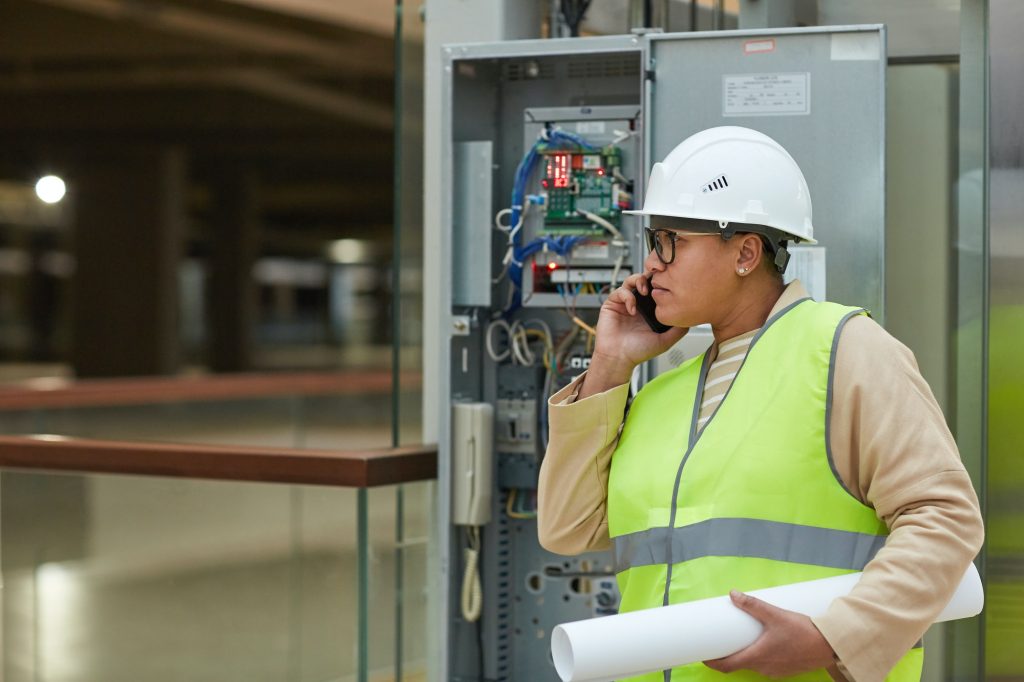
296,93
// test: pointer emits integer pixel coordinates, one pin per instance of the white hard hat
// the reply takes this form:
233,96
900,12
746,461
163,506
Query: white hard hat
732,175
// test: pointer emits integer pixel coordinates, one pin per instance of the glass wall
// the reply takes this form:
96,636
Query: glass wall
133,578
1004,622
413,508
243,195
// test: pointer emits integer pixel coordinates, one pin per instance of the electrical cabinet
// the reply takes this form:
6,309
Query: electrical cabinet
545,144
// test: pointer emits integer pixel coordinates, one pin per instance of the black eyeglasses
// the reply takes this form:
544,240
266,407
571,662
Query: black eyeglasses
663,242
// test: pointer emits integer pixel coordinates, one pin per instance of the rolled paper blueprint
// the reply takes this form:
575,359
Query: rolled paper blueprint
608,648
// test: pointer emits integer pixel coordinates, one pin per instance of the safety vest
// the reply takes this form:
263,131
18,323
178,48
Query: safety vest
751,501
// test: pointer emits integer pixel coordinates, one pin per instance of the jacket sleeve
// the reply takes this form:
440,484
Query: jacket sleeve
573,489
894,452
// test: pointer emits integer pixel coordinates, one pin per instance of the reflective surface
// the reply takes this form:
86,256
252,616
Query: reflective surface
129,578
1004,622
916,28
342,422
404,647
921,137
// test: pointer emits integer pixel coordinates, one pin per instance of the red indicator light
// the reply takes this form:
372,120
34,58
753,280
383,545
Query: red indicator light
600,171
552,265
558,170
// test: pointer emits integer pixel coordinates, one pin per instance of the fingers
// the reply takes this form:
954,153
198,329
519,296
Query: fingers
741,660
638,281
746,657
761,610
624,296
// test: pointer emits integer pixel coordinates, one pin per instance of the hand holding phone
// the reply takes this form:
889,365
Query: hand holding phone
645,306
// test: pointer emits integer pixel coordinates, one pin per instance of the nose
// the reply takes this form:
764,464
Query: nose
652,263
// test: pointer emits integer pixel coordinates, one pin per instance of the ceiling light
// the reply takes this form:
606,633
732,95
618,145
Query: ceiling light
50,189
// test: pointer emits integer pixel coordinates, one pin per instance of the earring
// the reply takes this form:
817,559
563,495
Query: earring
742,271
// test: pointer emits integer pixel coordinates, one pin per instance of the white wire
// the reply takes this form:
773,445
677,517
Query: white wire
518,341
520,345
598,220
500,226
544,328
472,591
505,263
510,230
622,135
489,340
618,266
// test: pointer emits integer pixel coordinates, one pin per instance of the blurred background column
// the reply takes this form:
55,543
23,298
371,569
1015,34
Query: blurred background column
232,291
129,231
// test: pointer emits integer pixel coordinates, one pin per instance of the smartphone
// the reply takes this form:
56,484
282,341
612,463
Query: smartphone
645,306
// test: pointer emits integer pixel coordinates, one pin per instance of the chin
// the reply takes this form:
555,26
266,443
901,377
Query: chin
687,321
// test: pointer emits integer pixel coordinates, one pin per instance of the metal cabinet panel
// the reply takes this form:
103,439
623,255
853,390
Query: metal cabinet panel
821,94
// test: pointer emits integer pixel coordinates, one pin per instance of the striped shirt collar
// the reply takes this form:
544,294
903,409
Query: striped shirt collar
793,292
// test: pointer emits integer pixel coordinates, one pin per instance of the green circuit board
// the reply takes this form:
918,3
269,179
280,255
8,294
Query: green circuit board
582,181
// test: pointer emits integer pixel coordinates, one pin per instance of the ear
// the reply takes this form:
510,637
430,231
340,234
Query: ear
750,252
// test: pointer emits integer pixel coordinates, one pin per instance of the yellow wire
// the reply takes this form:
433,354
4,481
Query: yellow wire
548,348
510,503
583,325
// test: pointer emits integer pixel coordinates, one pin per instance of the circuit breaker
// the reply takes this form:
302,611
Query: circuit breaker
546,144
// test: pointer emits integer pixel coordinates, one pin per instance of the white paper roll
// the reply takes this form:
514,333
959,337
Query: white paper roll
608,648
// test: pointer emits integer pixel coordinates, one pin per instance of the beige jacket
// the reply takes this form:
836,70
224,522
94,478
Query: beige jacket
892,449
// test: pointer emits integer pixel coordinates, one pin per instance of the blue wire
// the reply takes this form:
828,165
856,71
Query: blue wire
563,246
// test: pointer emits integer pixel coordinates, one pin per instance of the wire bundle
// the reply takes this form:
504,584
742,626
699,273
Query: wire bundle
516,505
518,337
572,13
518,253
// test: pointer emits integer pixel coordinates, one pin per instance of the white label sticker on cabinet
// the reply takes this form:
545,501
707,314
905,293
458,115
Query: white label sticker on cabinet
590,127
807,264
766,94
856,47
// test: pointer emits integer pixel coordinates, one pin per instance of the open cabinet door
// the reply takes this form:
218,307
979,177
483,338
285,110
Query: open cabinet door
820,92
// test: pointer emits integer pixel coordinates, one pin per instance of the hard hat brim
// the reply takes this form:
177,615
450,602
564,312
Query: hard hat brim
792,237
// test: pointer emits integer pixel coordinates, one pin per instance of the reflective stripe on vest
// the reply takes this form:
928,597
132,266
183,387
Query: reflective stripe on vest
748,538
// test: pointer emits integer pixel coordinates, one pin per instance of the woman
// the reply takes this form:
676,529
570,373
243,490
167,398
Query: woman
803,444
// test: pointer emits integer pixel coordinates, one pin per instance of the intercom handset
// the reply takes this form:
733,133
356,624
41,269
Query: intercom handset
472,463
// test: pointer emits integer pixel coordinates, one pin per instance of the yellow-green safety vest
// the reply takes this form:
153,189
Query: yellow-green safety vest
752,500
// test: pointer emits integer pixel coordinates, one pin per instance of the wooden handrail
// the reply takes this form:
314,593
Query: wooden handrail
61,393
353,469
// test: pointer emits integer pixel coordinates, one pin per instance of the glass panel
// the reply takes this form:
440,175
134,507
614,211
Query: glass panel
415,578
964,639
131,578
921,138
412,505
335,422
125,578
1004,622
